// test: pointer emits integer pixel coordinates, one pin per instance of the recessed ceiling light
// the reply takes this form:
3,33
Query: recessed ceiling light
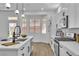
42,9
24,8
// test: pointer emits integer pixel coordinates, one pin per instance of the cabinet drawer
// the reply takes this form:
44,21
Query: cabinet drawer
8,53
22,51
65,52
70,53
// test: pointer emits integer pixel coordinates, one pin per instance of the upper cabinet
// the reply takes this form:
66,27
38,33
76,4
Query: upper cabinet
63,16
72,16
72,11
77,14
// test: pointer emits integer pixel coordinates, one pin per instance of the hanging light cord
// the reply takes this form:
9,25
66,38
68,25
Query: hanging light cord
16,6
22,8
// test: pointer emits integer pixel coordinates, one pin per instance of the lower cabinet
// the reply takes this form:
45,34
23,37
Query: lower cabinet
25,50
65,52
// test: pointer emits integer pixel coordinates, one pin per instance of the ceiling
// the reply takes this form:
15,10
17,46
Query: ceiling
31,6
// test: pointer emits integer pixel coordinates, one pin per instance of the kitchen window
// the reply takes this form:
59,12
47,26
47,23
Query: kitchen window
44,26
24,26
12,24
32,25
35,26
11,28
38,25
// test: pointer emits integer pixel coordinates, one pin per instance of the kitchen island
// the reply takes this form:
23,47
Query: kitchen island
21,48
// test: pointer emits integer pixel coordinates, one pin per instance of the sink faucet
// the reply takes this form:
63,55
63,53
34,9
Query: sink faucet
13,37
16,33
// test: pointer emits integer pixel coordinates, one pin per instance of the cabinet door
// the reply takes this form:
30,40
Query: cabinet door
9,52
23,50
63,51
72,16
29,48
77,14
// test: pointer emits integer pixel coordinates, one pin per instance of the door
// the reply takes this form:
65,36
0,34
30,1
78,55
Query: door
38,26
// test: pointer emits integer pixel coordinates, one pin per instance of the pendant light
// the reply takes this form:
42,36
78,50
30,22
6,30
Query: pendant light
17,11
7,5
59,9
22,11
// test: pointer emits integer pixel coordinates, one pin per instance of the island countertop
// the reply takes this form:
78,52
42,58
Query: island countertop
16,46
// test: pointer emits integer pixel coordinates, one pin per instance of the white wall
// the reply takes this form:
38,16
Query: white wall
4,23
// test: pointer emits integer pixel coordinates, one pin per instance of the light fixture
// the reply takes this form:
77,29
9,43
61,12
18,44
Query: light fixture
17,11
42,9
23,15
7,5
59,9
23,11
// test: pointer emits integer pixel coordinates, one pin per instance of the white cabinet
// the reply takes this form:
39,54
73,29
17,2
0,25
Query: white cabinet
77,15
24,48
72,10
72,16
73,13
62,51
65,52
62,19
8,52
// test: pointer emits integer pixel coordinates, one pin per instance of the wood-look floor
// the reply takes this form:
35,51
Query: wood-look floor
41,49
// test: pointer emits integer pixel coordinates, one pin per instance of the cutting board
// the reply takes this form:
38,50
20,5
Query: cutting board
8,44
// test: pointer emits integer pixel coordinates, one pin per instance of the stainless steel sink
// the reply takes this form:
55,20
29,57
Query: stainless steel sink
21,39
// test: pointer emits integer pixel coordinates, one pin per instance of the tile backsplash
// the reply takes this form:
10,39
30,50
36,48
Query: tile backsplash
71,30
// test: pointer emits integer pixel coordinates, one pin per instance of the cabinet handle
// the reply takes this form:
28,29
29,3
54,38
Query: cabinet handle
22,48
60,46
23,54
28,49
51,42
68,53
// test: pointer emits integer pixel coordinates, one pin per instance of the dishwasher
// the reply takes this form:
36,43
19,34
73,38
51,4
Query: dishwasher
56,48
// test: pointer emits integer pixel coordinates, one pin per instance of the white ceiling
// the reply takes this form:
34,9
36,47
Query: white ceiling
32,6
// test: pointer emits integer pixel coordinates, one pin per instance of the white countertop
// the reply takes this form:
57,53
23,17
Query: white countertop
71,45
16,46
